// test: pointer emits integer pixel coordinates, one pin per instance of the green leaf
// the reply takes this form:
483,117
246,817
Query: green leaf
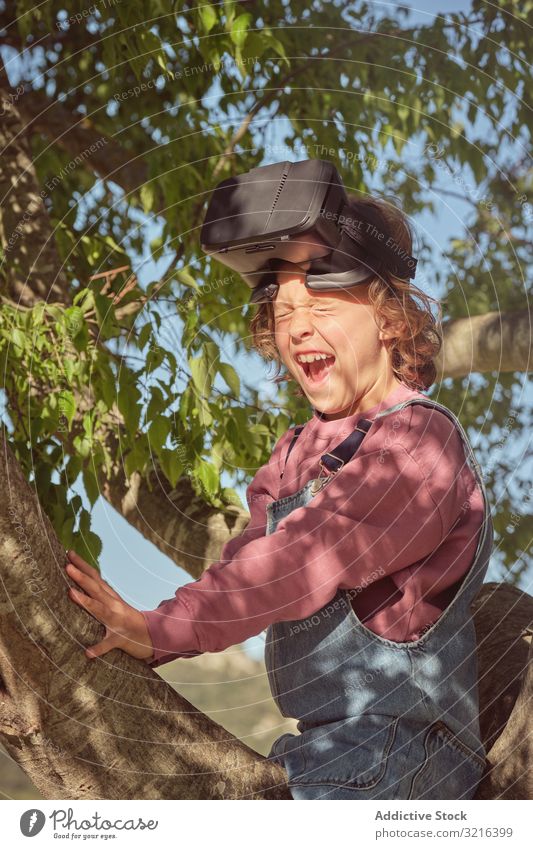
229,11
82,445
231,496
89,546
127,401
231,377
74,321
154,358
144,335
67,405
90,483
135,459
254,46
171,464
147,194
19,341
208,476
204,413
156,403
208,17
239,29
185,276
200,377
159,431
104,381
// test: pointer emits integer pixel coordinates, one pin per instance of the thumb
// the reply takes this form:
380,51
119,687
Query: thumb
105,645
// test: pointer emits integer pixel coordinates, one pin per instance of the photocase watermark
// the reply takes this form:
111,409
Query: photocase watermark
35,583
436,153
19,229
63,418
7,103
352,224
185,305
320,150
344,601
497,448
34,206
516,518
78,17
64,819
180,73
398,420
70,166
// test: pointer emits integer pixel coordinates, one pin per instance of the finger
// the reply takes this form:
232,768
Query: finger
102,647
80,562
91,585
85,567
98,610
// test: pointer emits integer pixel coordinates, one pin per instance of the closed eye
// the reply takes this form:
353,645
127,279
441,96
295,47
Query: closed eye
317,308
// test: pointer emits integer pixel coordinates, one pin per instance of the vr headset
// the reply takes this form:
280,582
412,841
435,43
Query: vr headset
298,212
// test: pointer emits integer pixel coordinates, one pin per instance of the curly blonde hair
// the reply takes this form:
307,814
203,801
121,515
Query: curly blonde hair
419,340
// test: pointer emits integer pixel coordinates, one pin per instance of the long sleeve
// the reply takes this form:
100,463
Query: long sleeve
261,490
373,519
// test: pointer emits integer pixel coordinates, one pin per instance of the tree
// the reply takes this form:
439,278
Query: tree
112,122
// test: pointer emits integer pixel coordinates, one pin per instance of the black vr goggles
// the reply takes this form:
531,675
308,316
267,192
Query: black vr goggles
298,212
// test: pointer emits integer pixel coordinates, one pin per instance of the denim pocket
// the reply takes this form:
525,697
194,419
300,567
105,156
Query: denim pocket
451,769
352,752
273,638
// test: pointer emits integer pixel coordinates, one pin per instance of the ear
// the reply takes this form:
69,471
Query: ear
391,329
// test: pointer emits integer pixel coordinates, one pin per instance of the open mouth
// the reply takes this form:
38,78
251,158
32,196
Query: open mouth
317,371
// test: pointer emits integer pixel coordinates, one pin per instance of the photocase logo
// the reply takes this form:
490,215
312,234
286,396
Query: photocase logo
31,822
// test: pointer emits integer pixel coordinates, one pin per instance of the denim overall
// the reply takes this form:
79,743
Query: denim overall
378,719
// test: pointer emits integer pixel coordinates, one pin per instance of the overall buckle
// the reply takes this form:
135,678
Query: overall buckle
325,468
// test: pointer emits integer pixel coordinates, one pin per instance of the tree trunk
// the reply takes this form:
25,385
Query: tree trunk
80,729
31,266
110,728
503,616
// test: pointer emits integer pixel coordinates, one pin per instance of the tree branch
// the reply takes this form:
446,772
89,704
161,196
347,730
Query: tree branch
482,343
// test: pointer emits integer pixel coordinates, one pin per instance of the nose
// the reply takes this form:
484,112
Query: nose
301,325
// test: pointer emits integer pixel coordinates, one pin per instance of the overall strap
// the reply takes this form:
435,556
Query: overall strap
297,432
334,460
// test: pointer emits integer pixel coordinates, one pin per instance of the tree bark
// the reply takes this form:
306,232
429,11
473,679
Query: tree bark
104,729
76,134
31,265
176,520
503,616
495,341
111,728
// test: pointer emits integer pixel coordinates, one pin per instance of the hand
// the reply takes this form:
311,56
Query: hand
126,627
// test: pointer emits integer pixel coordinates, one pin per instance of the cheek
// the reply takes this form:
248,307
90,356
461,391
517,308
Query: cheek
278,338
282,344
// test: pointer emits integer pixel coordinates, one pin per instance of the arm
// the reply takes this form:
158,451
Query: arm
262,489
371,515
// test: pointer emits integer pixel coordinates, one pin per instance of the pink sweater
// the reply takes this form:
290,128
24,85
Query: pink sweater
399,523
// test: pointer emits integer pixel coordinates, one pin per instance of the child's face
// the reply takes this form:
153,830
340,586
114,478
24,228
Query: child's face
337,323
